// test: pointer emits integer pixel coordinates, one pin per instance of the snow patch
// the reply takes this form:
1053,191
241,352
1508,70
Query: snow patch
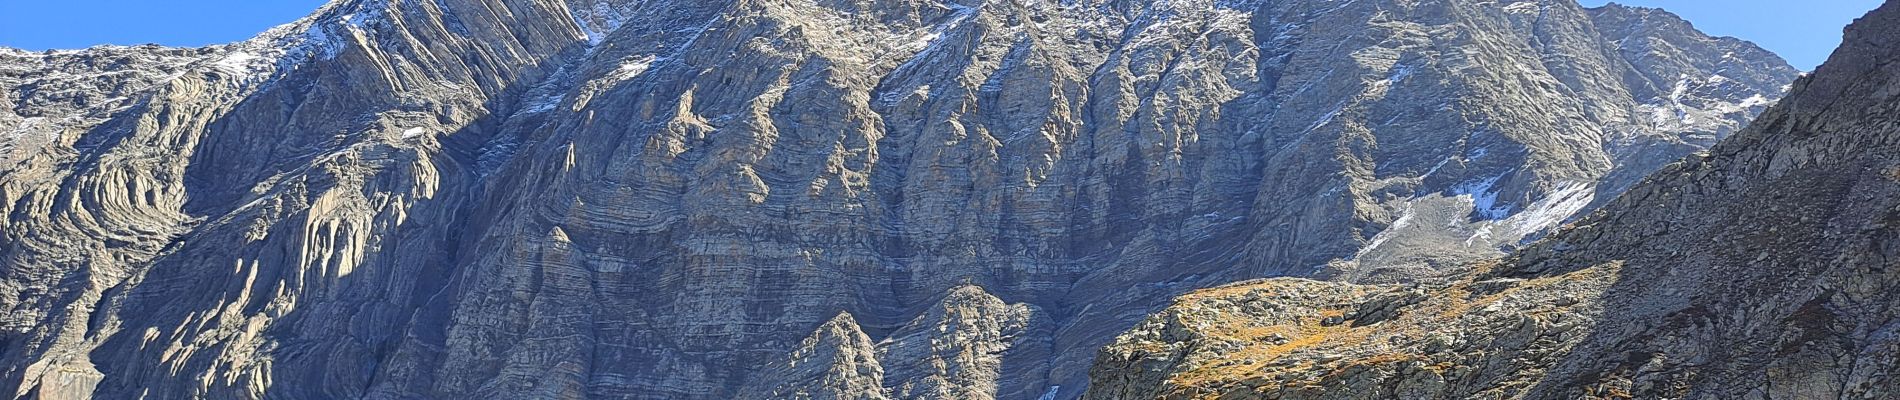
1554,208
1441,165
413,132
1528,7
286,46
543,103
238,62
1394,75
1405,219
633,67
25,125
1746,104
1399,73
1483,233
1681,88
1568,199
928,43
924,41
1051,394
1703,106
1327,118
1484,198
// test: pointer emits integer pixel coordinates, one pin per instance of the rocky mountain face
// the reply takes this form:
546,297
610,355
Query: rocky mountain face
1761,269
789,198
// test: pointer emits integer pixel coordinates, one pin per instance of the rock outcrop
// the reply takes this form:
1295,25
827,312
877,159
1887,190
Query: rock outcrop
679,199
838,361
1760,269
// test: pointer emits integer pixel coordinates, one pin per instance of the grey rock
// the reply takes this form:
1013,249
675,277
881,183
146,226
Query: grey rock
675,199
1755,271
836,362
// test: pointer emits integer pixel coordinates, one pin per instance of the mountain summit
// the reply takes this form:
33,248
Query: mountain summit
789,198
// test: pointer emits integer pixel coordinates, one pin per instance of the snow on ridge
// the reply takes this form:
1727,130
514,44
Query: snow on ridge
925,44
236,62
1528,7
1701,107
314,37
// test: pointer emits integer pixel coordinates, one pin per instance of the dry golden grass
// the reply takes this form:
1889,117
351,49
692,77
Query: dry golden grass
1260,364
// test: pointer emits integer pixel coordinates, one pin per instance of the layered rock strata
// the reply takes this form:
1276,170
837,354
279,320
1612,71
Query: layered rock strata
1761,269
680,199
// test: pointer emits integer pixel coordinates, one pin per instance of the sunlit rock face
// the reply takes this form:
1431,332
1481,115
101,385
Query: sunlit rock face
788,198
1763,269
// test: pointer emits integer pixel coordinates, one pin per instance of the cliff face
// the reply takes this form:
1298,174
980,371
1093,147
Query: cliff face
771,198
1762,269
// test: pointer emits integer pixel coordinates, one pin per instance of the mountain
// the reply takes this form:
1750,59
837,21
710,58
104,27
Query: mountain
1761,269
789,198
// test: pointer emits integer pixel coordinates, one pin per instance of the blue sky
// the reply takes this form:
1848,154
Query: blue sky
1804,32
71,24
